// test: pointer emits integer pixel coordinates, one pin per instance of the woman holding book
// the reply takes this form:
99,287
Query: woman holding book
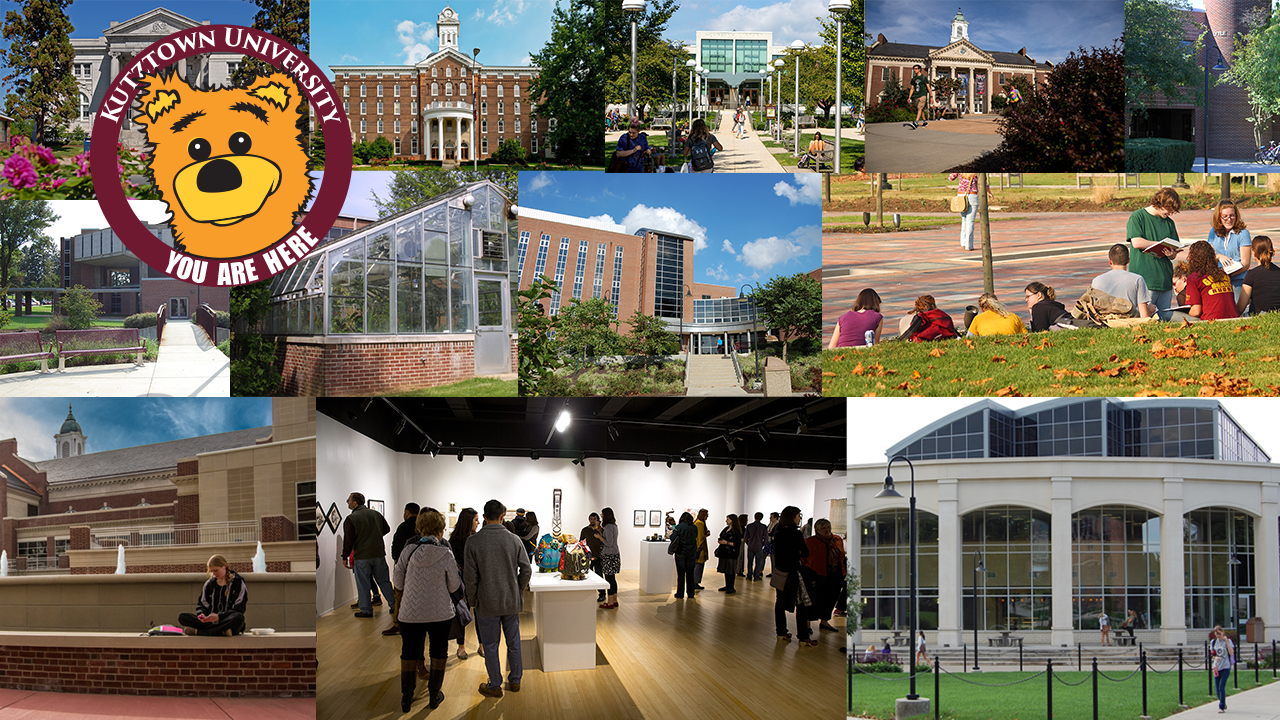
1230,240
1146,228
1209,290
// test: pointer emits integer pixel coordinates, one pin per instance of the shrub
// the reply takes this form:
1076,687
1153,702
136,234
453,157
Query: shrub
510,152
880,666
1103,194
879,112
623,384
222,318
1158,155
381,147
378,162
254,373
141,320
998,103
81,308
55,323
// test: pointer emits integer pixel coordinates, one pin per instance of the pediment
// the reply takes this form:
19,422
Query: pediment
961,51
158,22
437,56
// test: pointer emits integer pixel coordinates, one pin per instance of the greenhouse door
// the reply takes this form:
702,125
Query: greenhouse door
493,340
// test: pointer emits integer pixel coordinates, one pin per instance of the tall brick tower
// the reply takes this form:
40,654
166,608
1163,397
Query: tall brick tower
1230,134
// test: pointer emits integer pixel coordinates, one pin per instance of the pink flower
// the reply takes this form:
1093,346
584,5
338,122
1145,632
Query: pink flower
83,169
142,157
58,183
15,140
20,173
46,154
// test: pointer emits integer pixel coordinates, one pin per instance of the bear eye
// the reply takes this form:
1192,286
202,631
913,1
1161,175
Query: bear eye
240,143
199,149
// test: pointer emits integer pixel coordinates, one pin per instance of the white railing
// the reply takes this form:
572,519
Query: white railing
168,535
438,104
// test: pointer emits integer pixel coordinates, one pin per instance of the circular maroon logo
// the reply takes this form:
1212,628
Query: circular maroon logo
229,163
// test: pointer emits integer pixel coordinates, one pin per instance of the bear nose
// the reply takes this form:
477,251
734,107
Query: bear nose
218,176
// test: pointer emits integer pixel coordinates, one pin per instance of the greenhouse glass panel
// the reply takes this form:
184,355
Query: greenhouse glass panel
304,312
459,238
317,315
435,246
346,315
380,245
346,289
409,295
489,301
435,218
480,208
409,240
436,299
379,283
460,299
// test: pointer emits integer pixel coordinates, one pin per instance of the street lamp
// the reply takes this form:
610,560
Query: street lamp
676,46
755,347
778,74
889,492
764,101
633,7
839,8
1234,562
686,294
795,126
1216,66
978,568
475,155
692,65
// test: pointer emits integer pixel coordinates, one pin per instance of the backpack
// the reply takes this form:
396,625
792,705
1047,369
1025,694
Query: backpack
700,155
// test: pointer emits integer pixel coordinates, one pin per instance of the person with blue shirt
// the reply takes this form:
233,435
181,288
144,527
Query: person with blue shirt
1230,239
634,146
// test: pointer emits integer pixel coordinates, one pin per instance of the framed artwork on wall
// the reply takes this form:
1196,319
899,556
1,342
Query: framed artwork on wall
379,506
335,517
322,522
655,518
638,521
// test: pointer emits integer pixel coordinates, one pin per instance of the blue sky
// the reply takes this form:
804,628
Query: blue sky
378,32
113,423
745,227
788,19
359,200
1049,29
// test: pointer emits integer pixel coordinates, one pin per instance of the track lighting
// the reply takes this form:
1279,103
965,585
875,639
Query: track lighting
646,461
802,418
365,406
533,455
459,454
481,455
613,432
728,441
562,422
692,464
763,433
683,457
668,461
831,469
425,444
580,460
732,464
702,452
401,424
435,449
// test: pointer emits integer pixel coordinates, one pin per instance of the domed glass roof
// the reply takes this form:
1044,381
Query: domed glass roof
70,425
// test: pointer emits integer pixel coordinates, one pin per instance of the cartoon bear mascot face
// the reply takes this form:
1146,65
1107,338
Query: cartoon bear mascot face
228,162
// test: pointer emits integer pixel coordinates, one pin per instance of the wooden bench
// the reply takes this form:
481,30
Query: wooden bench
99,341
18,346
1118,177
805,121
660,123
826,162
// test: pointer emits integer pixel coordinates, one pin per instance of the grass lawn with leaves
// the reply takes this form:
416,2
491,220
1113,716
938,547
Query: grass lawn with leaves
1224,358
853,223
874,695
475,387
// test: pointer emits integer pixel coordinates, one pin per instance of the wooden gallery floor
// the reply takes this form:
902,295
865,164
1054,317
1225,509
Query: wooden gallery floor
656,657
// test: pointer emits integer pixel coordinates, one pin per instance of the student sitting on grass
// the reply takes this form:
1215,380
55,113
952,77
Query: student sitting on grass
852,327
926,322
1261,290
1045,309
1119,282
995,318
1209,290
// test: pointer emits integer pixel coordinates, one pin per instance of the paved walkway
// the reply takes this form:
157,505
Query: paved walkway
27,705
943,144
189,365
746,155
1063,250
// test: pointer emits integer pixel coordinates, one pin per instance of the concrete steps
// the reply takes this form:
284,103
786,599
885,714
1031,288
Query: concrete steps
712,375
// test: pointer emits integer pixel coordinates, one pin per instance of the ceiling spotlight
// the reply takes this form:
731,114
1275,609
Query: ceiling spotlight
435,449
646,461
365,406
459,454
533,455
668,461
702,452
831,469
400,426
613,432
792,465
802,418
580,460
562,422
728,441
425,444
692,464
732,464
481,455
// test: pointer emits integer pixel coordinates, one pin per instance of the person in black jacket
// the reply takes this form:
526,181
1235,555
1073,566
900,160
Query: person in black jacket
729,543
1045,309
685,536
788,549
465,526
220,610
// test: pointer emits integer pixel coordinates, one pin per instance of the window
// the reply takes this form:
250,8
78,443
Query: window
379,126
435,72
885,74
524,247
397,128
462,89
346,107
396,106
484,91
484,145
561,257
448,72
435,89
484,126
533,125
1000,77
413,108
669,275
484,107
379,91
533,147
413,143
598,280
364,128
499,89
379,107
84,106
448,89
397,141
346,91
517,125
413,127
617,277
395,91
501,108
515,92
517,108
364,107
551,124
362,90
540,264
413,90
305,492
464,72
581,269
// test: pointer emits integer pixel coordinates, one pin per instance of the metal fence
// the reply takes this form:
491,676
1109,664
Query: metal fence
172,535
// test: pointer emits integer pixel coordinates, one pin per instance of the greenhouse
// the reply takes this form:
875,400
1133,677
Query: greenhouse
435,277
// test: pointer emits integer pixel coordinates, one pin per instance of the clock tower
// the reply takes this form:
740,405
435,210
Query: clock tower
959,27
447,28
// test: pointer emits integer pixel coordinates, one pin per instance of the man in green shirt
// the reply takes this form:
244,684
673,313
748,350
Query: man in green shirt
919,95
1146,227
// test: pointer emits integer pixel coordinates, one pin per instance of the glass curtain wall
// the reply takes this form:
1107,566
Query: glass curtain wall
1209,536
1115,566
1016,591
886,581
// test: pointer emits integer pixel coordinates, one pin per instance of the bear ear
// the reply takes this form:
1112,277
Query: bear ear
277,89
157,99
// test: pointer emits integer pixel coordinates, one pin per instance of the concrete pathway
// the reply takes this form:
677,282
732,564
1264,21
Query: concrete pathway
189,365
745,155
27,705
1218,165
1260,703
943,144
712,375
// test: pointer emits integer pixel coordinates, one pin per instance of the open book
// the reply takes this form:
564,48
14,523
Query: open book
1167,245
1231,267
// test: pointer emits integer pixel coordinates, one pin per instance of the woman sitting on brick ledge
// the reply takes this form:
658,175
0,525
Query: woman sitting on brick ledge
220,610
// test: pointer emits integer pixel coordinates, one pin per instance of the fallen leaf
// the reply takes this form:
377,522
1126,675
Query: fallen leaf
1044,345
938,352
997,359
1267,358
1010,391
1242,328
1174,348
868,395
1042,367
968,343
1155,393
837,358
1081,352
1064,372
983,381
1113,358
904,385
857,369
828,374
915,374
1075,390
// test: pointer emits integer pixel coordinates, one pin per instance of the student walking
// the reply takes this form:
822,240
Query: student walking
496,572
427,573
920,86
1223,653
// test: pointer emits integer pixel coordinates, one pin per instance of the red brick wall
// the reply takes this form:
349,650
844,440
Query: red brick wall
187,468
157,291
278,528
122,501
373,368
245,567
173,672
301,369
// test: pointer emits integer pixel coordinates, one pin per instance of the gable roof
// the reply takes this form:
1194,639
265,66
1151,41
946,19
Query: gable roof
145,458
15,481
169,17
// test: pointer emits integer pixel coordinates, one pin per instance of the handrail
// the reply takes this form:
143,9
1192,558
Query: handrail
176,534
161,315
208,321
737,367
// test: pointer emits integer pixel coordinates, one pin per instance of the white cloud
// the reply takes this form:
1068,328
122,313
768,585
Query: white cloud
528,60
668,219
506,11
764,253
603,218
788,20
414,36
718,272
728,247
540,181
808,193
346,58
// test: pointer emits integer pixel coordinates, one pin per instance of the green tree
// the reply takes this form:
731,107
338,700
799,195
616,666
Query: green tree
791,305
650,336
361,152
893,94
317,147
79,307
289,20
1155,60
1255,67
40,59
853,68
415,186
510,152
653,57
570,82
381,148
39,265
539,357
587,327
21,222
253,371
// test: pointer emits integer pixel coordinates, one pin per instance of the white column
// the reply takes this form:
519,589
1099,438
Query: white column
457,144
426,137
115,65
1060,534
950,586
971,88
471,129
1173,608
182,69
1266,539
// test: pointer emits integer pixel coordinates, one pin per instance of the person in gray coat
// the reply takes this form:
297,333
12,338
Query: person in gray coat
495,573
427,574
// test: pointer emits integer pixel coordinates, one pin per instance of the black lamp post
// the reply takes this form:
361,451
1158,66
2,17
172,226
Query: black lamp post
685,294
978,567
1234,562
676,47
755,348
889,492
1216,66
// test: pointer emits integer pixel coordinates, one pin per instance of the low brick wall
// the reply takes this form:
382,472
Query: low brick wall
281,665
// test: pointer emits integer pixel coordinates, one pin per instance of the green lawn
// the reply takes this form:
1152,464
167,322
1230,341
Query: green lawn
850,149
874,696
853,223
40,315
475,387
1214,358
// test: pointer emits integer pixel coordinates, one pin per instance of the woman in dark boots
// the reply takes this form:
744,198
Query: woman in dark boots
428,574
729,543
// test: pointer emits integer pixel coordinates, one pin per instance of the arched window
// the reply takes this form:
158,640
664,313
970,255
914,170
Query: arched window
364,107
885,560
435,72
413,143
397,142
362,91
397,126
1017,591
379,126
501,124
396,91
84,106
379,91
435,89
484,107
413,107
66,449
448,89
517,108
484,91
379,107
517,125
1115,566
462,89
396,106
533,126
364,126
501,109
413,128
515,89
499,89
346,91
484,126
448,72
346,107
413,90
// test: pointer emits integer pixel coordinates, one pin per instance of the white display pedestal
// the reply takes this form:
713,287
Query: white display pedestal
657,568
565,614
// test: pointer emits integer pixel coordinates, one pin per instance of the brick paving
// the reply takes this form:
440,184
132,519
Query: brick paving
1063,250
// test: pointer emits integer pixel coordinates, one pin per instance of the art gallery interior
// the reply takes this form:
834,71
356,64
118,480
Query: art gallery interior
644,458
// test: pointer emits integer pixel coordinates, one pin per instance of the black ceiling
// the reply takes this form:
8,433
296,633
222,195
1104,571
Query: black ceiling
657,427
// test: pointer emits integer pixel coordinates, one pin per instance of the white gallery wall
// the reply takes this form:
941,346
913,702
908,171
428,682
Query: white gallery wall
350,462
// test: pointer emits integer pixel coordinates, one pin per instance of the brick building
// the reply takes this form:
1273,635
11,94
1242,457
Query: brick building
1230,133
443,106
171,504
982,73
650,271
